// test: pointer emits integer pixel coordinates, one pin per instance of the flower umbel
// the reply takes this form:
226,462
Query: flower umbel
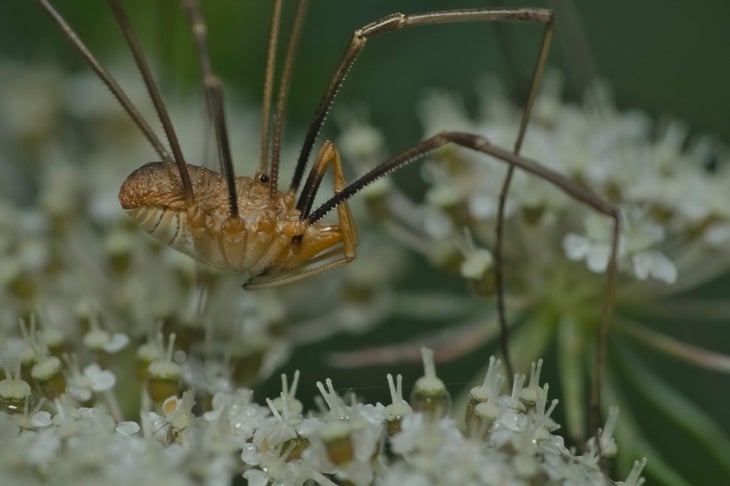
351,442
116,399
667,187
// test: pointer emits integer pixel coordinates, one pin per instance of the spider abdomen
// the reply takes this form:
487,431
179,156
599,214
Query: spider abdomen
266,234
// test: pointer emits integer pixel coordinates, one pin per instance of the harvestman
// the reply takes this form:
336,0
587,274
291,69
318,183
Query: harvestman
247,225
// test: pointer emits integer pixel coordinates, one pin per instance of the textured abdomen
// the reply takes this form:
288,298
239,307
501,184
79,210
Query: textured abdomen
260,238
210,241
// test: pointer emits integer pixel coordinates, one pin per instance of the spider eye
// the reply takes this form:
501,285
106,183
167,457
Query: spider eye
264,179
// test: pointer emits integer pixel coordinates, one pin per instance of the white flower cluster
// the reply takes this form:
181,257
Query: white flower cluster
113,324
665,185
670,189
502,439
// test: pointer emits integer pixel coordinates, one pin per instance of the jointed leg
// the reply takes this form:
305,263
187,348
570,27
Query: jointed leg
499,239
582,194
392,23
284,85
154,92
399,21
328,155
311,264
214,98
121,96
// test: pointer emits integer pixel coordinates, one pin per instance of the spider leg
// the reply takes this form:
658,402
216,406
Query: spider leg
571,188
317,257
390,23
398,21
499,229
214,98
107,79
143,66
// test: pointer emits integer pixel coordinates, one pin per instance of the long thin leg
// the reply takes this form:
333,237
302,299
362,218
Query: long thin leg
284,93
399,21
214,99
473,142
498,264
268,86
391,23
155,95
107,79
327,156
582,194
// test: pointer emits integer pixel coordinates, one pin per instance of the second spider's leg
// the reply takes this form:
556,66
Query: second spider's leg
330,247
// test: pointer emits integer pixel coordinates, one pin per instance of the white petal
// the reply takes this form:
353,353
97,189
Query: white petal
482,205
41,419
718,235
78,393
361,140
436,224
408,438
117,342
256,477
476,263
641,263
576,247
127,428
597,258
654,264
44,447
250,454
99,379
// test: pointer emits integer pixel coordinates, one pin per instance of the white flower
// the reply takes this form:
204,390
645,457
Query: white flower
99,339
127,284
654,264
127,428
43,447
239,412
638,238
596,254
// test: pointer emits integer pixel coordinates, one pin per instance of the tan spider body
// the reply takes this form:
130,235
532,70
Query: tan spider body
267,235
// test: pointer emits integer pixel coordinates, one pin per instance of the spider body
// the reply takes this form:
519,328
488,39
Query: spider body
267,234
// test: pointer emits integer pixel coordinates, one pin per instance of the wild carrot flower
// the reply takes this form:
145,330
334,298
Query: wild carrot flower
671,191
130,365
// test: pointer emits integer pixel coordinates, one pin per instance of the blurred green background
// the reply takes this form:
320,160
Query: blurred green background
663,57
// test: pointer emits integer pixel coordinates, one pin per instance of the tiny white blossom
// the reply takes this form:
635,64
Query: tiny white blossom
127,428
